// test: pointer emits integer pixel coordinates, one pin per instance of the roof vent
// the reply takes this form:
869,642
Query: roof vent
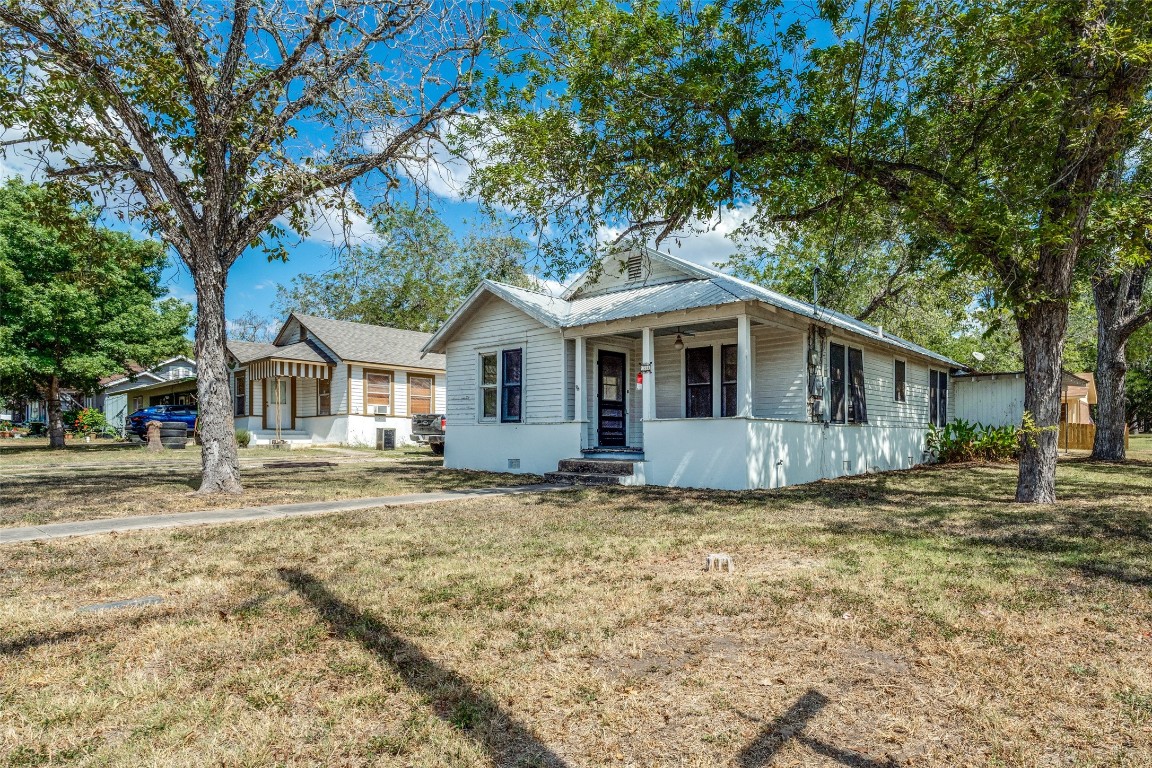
634,266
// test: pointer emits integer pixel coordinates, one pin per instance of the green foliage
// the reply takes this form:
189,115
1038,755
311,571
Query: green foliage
77,302
414,280
86,421
243,438
962,440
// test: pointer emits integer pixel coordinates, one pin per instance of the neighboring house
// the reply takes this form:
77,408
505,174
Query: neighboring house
997,399
329,381
689,376
172,382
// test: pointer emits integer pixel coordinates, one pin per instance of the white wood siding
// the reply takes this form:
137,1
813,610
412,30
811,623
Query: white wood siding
570,379
497,325
357,389
399,393
779,373
340,388
305,397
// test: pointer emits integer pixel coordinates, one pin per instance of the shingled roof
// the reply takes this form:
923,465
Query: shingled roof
378,344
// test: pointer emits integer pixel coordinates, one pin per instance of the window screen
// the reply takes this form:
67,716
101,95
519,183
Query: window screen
698,382
836,383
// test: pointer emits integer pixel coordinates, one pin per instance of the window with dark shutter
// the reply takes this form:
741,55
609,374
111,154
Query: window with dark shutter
728,380
511,387
836,383
933,396
943,398
698,382
899,393
857,405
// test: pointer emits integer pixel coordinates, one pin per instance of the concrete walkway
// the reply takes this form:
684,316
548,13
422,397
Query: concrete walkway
216,516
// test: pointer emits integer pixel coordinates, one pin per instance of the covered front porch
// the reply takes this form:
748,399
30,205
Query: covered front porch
702,365
276,394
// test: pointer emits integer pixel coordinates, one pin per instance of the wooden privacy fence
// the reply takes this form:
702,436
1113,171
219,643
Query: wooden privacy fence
1079,437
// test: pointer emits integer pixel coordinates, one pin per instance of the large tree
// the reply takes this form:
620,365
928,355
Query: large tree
1122,250
77,302
221,125
990,125
416,277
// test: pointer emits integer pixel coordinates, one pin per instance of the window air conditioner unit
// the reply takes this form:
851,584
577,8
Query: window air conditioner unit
382,410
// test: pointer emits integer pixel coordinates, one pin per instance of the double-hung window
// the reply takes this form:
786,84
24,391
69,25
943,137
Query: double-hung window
938,398
728,366
698,382
378,391
848,401
899,393
489,385
501,386
241,393
323,397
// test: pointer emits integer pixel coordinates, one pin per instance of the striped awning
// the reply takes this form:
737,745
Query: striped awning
270,368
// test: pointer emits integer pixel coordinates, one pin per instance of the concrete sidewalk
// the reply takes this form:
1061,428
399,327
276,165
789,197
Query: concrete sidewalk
216,516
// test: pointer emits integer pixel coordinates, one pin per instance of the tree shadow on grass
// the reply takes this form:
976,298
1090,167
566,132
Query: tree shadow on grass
474,713
789,727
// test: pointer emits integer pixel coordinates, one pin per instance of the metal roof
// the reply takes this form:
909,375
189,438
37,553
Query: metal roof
702,287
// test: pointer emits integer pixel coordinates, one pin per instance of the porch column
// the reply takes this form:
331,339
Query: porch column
743,366
581,380
647,359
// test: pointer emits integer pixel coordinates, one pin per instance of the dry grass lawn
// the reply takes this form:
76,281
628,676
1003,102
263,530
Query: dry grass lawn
916,618
61,493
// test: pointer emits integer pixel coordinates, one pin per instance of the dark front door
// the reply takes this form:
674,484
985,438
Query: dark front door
610,393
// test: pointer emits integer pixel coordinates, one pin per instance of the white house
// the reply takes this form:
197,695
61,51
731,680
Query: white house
656,370
172,382
997,399
329,381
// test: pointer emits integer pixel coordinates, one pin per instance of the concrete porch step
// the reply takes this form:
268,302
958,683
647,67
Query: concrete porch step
622,454
583,478
623,467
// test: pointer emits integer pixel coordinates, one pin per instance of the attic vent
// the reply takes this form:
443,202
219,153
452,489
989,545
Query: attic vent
634,267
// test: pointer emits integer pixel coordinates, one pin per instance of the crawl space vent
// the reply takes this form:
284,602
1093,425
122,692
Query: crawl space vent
513,463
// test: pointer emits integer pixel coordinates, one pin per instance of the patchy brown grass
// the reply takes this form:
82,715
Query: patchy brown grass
917,618
37,497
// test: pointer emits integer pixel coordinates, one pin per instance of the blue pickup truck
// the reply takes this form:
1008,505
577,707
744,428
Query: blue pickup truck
138,421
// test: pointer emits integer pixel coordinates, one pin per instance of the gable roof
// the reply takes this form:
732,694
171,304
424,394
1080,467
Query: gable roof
137,372
701,287
365,343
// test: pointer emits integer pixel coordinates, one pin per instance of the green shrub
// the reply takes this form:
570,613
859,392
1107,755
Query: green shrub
243,437
962,440
88,421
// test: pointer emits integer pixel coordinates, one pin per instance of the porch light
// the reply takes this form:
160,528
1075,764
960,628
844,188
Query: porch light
678,344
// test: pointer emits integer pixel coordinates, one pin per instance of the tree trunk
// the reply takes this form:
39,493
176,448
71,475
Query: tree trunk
1042,338
220,464
55,415
1119,300
1111,367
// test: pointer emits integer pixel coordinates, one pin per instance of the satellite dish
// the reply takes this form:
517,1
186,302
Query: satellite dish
979,356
